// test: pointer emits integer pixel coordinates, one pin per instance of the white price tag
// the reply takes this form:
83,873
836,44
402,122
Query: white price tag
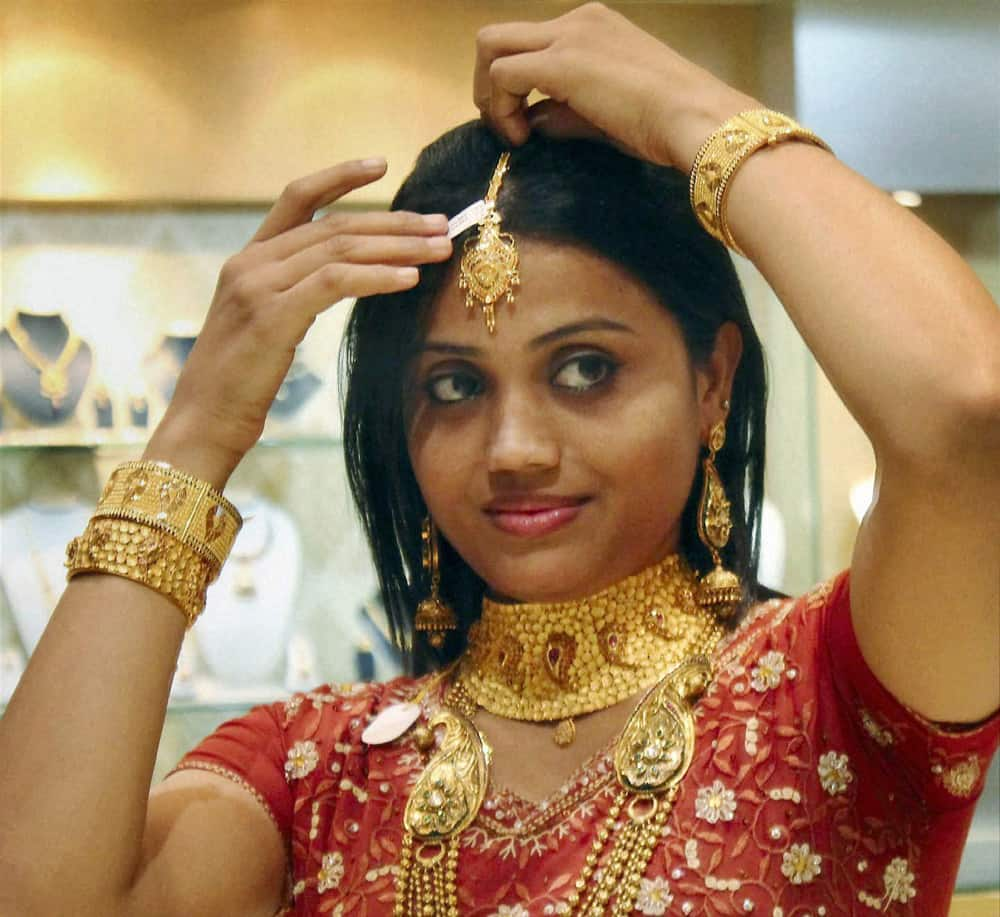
472,215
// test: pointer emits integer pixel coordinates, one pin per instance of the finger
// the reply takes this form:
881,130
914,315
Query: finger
498,41
559,121
304,196
389,223
512,79
399,251
334,282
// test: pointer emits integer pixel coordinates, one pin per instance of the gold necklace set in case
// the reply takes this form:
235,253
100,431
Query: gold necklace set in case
53,381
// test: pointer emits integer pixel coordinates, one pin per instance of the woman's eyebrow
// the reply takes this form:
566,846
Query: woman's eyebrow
589,324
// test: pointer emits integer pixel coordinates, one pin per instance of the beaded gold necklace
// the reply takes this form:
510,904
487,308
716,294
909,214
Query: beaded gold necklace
651,755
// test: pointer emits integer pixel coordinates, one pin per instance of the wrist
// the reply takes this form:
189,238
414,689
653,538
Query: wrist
182,446
692,126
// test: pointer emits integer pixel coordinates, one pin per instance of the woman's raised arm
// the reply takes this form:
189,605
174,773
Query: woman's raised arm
906,333
78,833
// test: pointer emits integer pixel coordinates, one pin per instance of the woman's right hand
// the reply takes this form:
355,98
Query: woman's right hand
267,298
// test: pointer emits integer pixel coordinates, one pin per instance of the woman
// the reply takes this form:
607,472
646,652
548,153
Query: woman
714,753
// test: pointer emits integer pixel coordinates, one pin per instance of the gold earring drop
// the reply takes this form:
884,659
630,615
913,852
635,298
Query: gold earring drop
720,589
433,618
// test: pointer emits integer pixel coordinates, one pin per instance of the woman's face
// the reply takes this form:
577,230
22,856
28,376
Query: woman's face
557,455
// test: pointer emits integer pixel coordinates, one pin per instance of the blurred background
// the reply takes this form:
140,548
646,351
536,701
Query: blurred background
140,145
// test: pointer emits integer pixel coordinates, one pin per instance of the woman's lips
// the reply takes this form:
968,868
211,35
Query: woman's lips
534,522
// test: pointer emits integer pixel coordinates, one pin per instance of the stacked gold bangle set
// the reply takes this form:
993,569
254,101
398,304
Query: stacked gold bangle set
656,631
159,527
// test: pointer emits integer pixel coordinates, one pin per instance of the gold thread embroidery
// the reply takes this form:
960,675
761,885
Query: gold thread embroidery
221,771
962,778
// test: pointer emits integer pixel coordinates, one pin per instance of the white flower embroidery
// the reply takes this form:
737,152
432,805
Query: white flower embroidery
898,881
654,896
834,772
331,872
511,910
302,760
715,803
800,865
767,673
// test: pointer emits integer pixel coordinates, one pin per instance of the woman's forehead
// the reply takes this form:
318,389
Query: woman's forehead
561,285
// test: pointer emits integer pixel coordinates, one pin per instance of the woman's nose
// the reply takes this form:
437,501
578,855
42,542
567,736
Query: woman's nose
522,437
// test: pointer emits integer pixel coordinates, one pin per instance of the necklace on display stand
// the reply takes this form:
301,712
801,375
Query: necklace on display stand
53,382
244,584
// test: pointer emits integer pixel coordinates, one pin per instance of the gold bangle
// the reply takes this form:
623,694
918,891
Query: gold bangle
725,150
144,554
191,510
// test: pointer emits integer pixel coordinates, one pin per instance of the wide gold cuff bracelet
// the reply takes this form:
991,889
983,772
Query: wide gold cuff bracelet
725,151
146,555
189,509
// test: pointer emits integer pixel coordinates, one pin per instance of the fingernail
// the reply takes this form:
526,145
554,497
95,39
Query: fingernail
407,274
436,221
375,162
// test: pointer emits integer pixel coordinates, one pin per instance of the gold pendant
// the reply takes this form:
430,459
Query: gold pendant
443,803
54,385
564,733
653,754
489,268
657,745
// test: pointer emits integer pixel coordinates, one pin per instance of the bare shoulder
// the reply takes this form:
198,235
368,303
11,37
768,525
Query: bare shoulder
209,847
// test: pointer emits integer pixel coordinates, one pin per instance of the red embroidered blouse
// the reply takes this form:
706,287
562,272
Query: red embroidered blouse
813,792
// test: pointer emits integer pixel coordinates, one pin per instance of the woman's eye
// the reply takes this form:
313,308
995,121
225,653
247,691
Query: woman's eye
584,372
453,387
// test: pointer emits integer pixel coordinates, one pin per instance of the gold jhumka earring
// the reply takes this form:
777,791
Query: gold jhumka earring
433,617
489,268
720,589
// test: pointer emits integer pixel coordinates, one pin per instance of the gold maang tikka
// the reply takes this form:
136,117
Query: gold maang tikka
433,616
489,269
720,589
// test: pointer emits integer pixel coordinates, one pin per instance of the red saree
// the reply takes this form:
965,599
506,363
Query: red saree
813,792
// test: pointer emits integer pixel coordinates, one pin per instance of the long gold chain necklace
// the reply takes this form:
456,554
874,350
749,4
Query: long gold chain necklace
651,756
53,382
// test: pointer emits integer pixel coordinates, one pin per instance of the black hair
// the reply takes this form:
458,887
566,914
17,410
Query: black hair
573,192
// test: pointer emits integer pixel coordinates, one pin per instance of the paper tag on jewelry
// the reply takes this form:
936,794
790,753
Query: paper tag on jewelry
472,215
390,724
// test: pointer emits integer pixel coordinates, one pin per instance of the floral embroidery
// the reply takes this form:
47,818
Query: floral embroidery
767,673
898,881
292,706
786,768
881,735
715,803
654,896
302,760
961,779
834,773
331,872
799,864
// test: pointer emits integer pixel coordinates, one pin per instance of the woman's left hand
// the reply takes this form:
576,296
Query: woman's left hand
604,77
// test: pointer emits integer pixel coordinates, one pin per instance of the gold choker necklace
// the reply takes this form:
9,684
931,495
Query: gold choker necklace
555,661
